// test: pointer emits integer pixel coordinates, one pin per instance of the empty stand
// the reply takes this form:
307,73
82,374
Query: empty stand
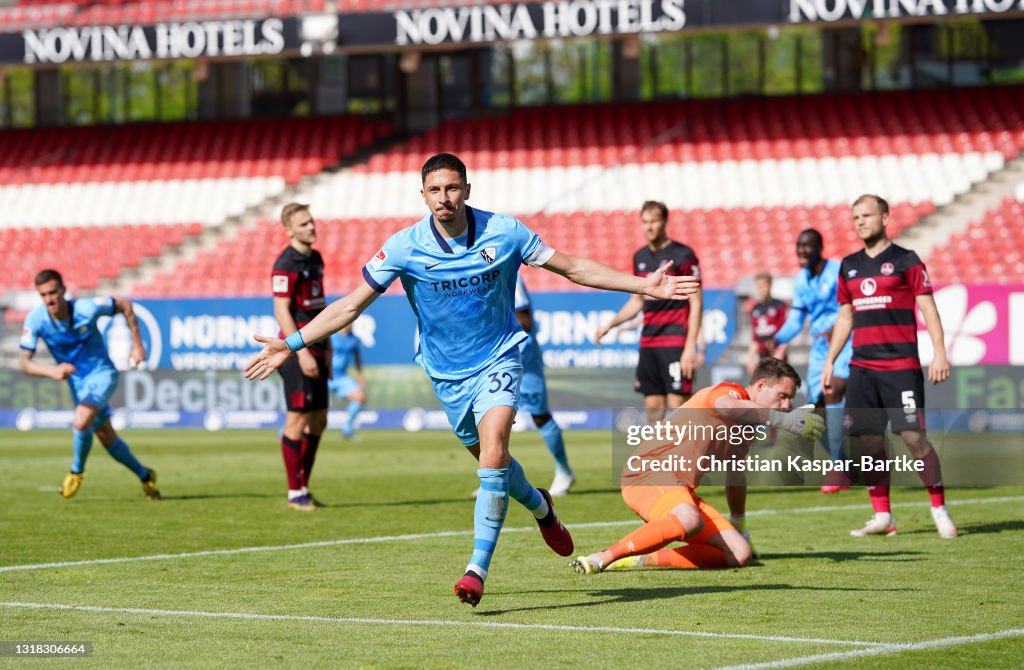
991,250
85,255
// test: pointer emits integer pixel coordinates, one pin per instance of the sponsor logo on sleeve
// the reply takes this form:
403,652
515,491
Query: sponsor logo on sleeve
280,283
378,259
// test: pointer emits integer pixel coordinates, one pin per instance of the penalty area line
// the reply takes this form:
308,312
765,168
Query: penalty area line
412,537
884,650
419,622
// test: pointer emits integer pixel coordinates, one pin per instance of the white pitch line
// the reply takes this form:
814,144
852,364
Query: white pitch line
460,623
447,533
885,650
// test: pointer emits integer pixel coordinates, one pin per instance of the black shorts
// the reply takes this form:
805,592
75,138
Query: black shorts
875,398
302,393
658,373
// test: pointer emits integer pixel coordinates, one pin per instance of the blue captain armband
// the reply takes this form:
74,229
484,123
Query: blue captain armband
295,341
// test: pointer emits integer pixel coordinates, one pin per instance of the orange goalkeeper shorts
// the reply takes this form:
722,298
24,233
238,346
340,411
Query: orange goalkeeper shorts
651,503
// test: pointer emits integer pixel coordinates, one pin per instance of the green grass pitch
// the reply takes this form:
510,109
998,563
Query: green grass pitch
377,589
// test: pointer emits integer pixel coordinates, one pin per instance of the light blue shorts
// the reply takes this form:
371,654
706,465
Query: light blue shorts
465,401
533,395
816,364
95,390
343,386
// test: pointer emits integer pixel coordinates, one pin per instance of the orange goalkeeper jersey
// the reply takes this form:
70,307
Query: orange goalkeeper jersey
696,430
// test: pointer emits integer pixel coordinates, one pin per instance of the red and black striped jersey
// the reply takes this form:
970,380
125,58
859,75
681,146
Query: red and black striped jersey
301,279
765,320
665,321
883,293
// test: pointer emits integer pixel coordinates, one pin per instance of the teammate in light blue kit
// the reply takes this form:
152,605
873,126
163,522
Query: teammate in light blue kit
458,266
533,394
345,354
68,327
814,296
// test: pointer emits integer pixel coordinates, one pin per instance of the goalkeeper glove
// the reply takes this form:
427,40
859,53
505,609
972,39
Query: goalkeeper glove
802,421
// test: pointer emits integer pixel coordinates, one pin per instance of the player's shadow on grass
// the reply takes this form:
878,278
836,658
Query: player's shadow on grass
218,496
843,556
977,528
636,595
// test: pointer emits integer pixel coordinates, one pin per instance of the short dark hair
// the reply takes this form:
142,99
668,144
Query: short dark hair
813,232
443,162
772,370
656,206
883,205
48,275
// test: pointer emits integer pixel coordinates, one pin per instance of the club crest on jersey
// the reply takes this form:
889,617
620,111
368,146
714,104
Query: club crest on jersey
888,269
868,286
489,254
378,259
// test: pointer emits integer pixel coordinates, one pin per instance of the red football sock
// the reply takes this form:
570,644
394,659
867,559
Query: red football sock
310,443
879,498
291,450
689,557
647,538
931,475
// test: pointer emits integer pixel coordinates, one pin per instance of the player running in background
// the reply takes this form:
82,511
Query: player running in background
345,354
669,339
458,266
297,281
767,315
814,298
68,327
879,287
673,512
533,394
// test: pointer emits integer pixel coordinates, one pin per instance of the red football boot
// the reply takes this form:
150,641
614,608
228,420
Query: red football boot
555,534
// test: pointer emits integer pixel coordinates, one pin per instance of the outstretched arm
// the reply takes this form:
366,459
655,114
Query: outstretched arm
333,318
591,273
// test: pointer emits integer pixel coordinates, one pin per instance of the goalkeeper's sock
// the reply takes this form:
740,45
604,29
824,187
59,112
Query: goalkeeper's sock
690,557
647,538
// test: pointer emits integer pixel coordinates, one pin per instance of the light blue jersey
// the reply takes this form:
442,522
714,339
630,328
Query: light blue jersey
814,297
533,361
77,340
533,393
345,349
461,290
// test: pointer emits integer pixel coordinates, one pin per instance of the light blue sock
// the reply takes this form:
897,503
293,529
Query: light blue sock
834,430
522,491
552,435
353,410
83,444
120,452
488,517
